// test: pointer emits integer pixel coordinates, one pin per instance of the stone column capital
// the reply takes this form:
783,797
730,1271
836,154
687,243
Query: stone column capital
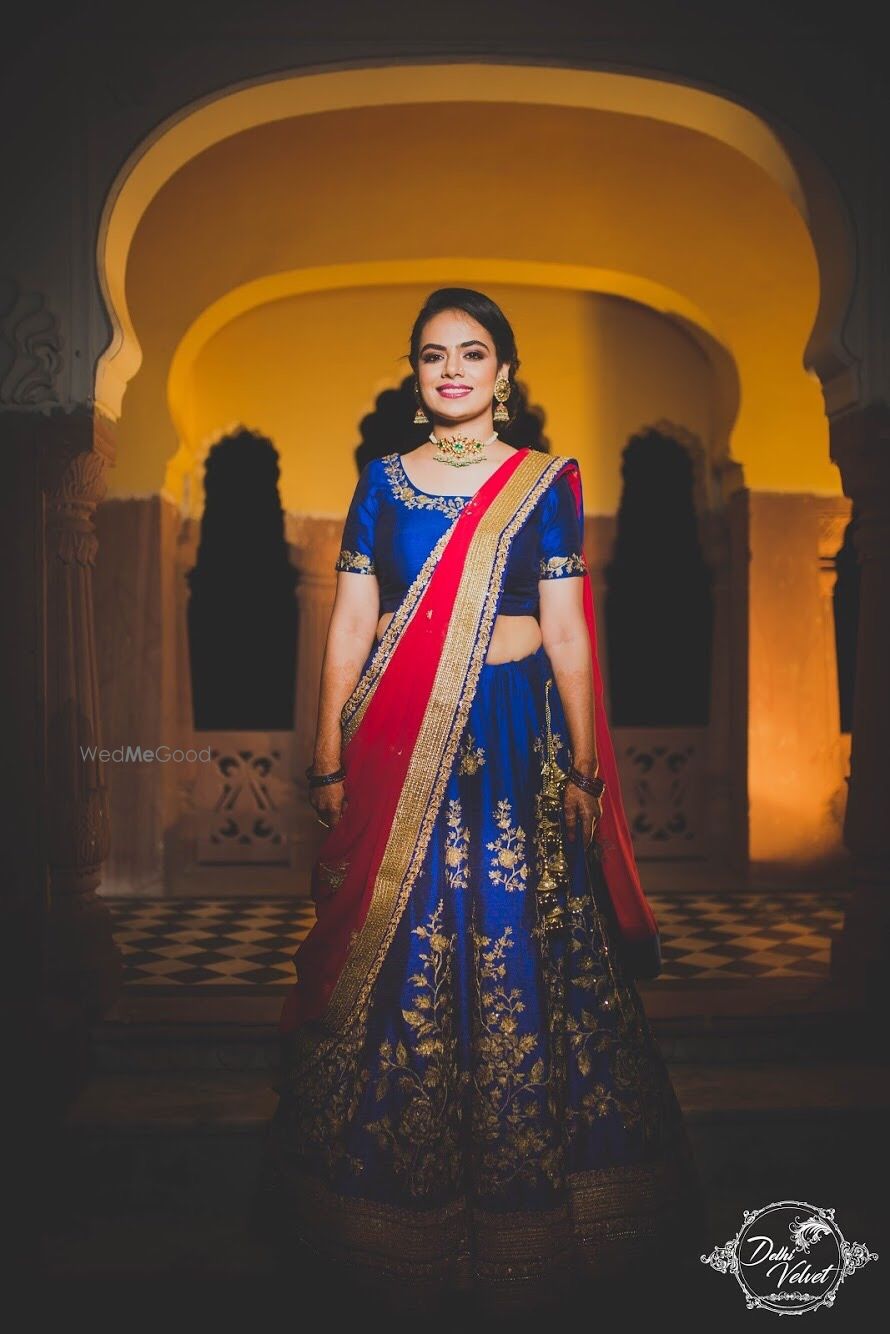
73,462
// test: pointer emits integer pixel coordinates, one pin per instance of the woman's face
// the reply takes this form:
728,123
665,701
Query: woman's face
457,367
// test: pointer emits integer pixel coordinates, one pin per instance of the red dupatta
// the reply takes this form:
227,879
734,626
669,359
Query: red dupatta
401,728
636,921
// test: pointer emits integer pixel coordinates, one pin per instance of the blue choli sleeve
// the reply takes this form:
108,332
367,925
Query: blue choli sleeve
561,549
357,544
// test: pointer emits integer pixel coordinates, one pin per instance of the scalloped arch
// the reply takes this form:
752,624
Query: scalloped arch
788,162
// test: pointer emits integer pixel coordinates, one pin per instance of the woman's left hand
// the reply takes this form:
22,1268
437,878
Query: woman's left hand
582,811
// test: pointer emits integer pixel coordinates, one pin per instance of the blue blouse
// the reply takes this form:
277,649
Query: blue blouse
392,526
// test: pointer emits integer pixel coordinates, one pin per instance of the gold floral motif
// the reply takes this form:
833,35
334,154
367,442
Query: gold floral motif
402,489
457,848
334,875
472,757
613,1022
509,867
557,566
638,1088
424,1138
355,561
320,1100
511,1138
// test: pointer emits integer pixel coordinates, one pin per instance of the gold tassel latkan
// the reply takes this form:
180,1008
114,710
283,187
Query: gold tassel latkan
553,869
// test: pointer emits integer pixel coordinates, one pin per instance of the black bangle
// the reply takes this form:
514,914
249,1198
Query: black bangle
322,780
595,787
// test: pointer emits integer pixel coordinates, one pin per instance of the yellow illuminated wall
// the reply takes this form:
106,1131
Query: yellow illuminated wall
618,202
304,371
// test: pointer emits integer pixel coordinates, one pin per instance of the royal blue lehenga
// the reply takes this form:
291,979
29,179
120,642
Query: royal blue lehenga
497,1116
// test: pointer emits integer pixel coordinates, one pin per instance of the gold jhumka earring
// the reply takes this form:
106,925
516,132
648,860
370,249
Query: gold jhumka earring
420,417
501,393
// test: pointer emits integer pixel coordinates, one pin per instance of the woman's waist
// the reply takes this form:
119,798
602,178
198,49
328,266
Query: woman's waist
514,601
513,636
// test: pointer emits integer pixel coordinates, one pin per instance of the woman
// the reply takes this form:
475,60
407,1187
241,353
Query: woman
471,1098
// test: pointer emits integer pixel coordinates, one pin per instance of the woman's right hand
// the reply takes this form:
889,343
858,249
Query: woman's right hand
329,802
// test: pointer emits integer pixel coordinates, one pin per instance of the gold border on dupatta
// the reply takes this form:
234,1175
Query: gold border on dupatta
466,644
354,708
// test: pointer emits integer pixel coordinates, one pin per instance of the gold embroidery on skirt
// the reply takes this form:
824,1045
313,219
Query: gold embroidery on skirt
509,867
517,1075
457,848
510,1137
320,1101
423,1139
472,757
639,1087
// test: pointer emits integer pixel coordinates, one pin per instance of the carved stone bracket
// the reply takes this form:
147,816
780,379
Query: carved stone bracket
30,348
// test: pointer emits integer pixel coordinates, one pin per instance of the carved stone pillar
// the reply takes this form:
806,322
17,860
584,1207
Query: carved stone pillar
83,962
724,841
599,538
860,445
316,542
834,515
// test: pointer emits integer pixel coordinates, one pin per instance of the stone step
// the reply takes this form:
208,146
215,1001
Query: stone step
238,1102
157,1173
745,1117
790,1021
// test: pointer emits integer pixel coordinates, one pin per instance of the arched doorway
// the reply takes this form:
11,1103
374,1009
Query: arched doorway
676,242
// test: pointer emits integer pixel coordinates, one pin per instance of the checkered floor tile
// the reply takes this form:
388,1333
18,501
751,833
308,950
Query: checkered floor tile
705,936
249,943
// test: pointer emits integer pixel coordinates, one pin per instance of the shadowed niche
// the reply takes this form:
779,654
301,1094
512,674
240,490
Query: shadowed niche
845,600
390,427
658,606
242,614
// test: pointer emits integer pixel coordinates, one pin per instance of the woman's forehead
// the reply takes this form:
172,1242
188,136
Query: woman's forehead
455,326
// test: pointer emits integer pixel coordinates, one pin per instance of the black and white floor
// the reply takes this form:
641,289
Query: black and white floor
249,943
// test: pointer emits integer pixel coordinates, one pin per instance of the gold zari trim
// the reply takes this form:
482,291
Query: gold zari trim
355,562
612,1217
403,489
354,708
557,566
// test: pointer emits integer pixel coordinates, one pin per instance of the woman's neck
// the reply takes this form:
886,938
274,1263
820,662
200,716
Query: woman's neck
478,428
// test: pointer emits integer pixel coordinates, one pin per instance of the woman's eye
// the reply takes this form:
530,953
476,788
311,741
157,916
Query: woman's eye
477,354
429,356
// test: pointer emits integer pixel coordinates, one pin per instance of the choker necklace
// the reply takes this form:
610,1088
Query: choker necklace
459,450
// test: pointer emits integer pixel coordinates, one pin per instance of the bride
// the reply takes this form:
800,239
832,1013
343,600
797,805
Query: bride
471,1098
